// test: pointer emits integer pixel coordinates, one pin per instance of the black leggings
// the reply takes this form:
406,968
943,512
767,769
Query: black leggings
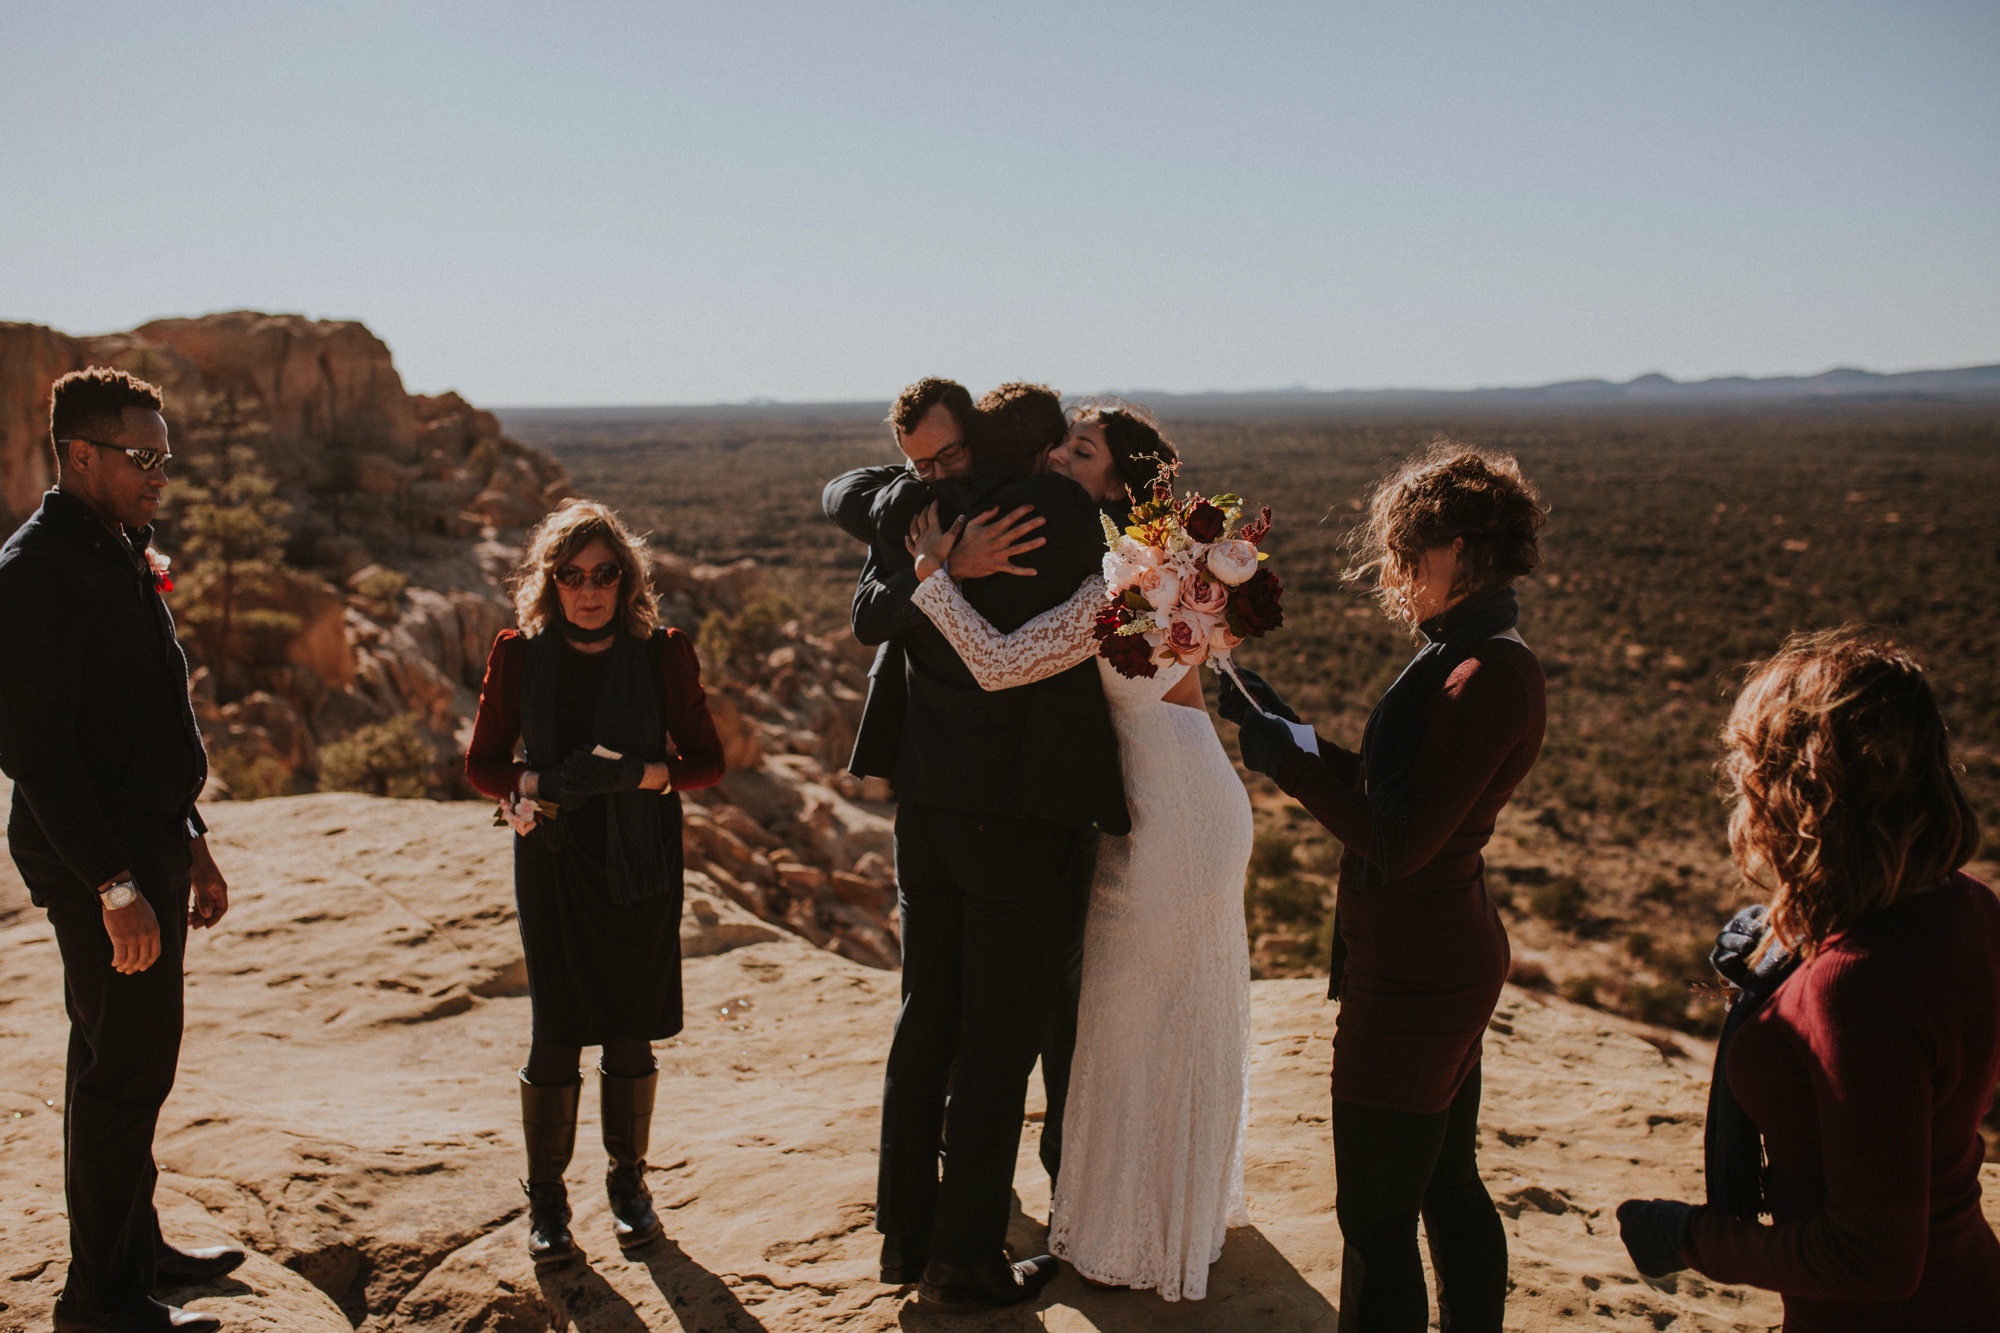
1391,1168
556,1066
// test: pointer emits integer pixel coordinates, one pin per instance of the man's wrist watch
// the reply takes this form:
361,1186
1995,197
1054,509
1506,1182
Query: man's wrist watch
118,893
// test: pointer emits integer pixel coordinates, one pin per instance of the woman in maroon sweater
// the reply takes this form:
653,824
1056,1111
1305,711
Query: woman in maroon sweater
608,708
1420,954
1868,1069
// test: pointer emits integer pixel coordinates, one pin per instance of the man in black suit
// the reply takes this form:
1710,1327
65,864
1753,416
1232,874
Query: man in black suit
998,792
98,735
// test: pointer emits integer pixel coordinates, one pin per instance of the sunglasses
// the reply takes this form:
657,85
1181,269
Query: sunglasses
606,575
145,459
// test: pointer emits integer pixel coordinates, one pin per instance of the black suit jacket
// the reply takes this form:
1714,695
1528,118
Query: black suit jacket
1044,750
864,503
96,729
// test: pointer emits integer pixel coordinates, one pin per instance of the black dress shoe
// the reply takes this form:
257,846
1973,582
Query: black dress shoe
193,1268
153,1317
989,1285
904,1255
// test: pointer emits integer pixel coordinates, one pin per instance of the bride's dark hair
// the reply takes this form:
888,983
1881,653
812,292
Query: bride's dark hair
1139,448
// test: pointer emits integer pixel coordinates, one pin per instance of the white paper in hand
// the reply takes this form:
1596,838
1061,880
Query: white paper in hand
1303,734
602,753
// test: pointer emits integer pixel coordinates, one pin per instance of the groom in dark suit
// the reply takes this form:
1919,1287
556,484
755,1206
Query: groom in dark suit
996,790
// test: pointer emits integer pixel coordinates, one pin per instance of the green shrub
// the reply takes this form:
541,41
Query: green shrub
1561,900
250,776
1271,855
1583,989
1661,1003
384,758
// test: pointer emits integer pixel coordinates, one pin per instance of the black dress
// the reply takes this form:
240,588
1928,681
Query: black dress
597,970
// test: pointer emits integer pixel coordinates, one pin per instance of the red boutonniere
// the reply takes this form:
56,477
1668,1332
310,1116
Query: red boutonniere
159,563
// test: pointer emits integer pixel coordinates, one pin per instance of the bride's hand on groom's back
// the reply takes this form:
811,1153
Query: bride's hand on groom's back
984,545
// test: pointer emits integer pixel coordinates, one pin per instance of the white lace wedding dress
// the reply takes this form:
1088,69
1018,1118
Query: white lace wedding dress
1152,1165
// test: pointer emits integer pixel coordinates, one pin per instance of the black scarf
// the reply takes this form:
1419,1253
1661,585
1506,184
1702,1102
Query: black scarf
1395,732
1732,1148
636,864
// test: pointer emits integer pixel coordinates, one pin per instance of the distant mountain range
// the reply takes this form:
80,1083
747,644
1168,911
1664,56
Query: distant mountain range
1969,384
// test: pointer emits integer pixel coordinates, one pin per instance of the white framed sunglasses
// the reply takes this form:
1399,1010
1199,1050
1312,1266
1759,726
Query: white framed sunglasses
145,459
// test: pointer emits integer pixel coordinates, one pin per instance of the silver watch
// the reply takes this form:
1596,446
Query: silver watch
118,893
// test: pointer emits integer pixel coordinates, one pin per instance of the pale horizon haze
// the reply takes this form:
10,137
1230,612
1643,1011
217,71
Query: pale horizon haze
626,203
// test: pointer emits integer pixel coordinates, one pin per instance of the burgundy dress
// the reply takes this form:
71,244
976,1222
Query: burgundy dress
1426,951
1867,1074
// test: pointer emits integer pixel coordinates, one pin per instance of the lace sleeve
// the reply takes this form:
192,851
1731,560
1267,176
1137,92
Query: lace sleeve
1053,641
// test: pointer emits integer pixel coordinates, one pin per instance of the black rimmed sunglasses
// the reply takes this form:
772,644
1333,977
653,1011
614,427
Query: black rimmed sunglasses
146,459
606,575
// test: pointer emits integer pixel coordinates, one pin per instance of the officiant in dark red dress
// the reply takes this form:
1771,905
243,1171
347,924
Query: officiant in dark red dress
608,708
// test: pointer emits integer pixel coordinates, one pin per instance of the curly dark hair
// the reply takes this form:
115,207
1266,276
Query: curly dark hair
1017,424
1139,448
1449,491
90,404
1840,776
919,398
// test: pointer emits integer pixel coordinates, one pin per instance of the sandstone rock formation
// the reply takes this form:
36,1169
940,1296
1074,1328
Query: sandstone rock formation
346,1108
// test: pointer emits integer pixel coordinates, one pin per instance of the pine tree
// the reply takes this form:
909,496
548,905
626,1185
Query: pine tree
229,519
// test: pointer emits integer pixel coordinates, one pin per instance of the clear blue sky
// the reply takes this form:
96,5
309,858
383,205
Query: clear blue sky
606,203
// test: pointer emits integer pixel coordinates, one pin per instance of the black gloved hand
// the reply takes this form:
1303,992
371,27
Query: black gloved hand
1267,698
1266,742
552,787
587,774
1232,704
1653,1231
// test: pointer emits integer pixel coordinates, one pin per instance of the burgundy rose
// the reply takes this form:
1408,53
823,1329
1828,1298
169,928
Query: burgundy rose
1253,605
1205,522
1129,654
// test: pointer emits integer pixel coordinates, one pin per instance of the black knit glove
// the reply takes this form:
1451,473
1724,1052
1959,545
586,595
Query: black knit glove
1653,1231
587,774
1269,699
552,787
1266,743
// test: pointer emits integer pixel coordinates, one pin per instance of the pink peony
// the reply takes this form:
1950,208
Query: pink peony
1205,596
1220,640
1160,586
1187,636
1232,561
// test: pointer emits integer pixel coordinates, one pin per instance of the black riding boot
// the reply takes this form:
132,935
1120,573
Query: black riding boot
548,1122
627,1105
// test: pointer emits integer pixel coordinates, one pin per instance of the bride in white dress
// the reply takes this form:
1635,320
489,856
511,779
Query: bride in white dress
1152,1167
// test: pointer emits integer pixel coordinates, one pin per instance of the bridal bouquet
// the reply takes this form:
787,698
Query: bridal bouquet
1184,583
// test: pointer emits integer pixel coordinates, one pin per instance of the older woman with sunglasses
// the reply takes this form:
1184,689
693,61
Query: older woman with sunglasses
608,708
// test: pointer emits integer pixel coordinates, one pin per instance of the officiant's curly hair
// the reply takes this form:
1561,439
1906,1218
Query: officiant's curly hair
1448,492
556,541
1844,799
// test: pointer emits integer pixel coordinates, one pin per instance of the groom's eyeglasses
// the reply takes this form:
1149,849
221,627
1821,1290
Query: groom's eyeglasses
950,456
605,575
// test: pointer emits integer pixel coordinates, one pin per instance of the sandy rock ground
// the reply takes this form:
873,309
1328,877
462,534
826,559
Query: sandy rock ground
347,1108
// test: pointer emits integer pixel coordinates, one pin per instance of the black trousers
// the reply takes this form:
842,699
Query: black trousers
1059,1046
983,900
124,1047
1392,1167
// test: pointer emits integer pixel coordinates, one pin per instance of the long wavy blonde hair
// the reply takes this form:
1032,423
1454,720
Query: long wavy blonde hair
1839,769
555,541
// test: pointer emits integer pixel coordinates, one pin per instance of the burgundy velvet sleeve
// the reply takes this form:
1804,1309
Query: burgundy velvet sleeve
1477,723
489,759
1865,1044
699,762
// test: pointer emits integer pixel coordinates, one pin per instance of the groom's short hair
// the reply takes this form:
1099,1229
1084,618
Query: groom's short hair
919,398
1018,422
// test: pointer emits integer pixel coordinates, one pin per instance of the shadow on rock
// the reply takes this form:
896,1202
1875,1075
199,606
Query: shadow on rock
698,1298
1251,1287
578,1297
